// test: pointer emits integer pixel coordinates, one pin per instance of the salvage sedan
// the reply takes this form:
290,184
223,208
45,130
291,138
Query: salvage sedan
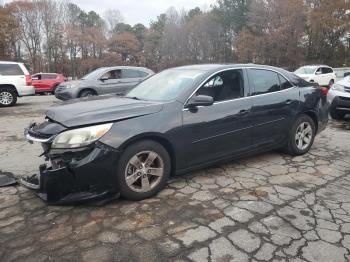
176,121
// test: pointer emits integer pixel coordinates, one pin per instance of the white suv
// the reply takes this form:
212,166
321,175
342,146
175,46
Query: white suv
15,81
321,74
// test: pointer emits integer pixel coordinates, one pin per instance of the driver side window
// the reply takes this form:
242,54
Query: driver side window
227,85
113,74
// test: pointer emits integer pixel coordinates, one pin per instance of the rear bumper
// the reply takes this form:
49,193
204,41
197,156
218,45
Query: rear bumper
25,90
77,179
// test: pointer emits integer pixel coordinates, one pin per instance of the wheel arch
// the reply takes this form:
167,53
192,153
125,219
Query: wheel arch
9,86
313,116
159,138
87,89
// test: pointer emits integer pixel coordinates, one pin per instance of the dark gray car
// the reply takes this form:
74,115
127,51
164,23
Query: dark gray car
104,80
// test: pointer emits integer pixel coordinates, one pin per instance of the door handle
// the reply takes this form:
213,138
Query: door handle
289,101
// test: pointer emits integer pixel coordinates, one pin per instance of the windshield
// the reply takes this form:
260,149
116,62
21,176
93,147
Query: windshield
165,86
94,74
306,70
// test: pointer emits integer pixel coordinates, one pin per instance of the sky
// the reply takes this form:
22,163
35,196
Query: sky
140,11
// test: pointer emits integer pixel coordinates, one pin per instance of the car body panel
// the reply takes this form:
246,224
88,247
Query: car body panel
194,137
100,110
340,100
72,89
321,74
44,82
17,81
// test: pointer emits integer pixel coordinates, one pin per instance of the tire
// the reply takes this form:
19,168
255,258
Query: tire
296,135
138,153
54,90
336,116
8,97
86,93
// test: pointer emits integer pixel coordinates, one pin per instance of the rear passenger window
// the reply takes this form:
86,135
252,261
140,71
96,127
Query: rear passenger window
326,70
10,70
285,84
49,76
130,73
263,81
143,74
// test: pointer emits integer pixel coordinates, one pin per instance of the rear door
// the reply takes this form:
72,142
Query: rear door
222,129
130,78
275,102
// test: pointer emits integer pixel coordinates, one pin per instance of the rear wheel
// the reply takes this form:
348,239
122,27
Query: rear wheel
302,136
143,170
336,115
8,97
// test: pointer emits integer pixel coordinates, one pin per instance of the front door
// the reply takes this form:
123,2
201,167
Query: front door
275,102
111,82
222,129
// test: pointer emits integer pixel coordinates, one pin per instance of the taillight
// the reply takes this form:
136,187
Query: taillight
28,80
324,90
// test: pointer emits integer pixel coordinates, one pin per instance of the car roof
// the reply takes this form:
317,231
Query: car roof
10,62
316,66
216,67
125,67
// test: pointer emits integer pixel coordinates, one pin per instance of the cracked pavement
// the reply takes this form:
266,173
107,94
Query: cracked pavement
269,207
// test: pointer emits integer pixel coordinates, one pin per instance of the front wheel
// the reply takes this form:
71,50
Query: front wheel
302,136
86,93
143,170
8,97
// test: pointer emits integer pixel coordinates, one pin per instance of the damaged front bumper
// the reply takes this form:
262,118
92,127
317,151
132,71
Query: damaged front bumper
75,175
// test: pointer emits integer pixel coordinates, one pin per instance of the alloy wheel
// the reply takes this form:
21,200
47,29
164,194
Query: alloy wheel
144,171
6,98
303,136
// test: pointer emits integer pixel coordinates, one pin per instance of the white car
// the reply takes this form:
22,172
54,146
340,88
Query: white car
339,98
321,74
15,81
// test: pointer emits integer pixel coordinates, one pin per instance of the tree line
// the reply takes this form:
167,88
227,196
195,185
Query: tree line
58,36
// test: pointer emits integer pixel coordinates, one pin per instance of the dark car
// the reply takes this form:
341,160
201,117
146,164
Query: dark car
176,121
104,80
47,82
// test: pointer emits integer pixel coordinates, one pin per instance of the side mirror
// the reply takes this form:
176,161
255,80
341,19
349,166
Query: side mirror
200,100
104,78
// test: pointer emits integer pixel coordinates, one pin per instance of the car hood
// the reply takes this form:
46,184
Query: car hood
94,110
344,82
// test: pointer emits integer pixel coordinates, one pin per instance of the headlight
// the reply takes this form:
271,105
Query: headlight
80,137
338,87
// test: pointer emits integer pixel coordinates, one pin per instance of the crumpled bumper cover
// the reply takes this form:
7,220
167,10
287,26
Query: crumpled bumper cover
91,178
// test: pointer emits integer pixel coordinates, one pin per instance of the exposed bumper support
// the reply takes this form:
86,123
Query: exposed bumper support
77,177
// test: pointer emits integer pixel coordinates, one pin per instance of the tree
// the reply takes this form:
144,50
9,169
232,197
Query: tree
112,18
28,16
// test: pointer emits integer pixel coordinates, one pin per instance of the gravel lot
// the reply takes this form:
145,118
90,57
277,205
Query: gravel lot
270,207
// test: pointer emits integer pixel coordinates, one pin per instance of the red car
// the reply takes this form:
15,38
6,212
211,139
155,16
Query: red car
47,82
